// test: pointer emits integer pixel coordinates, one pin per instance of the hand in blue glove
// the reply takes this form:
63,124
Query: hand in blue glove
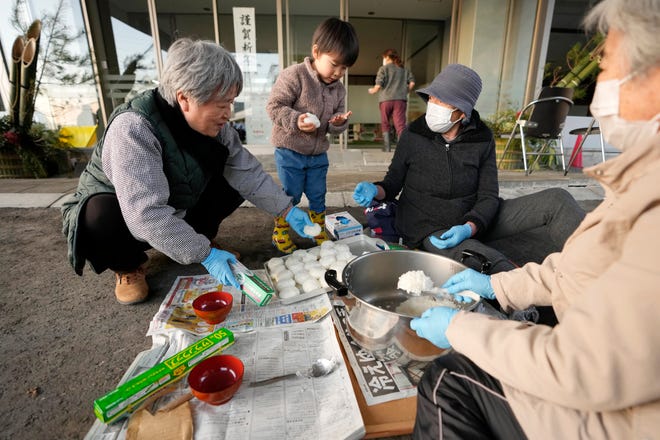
364,193
453,237
298,219
472,280
217,264
432,325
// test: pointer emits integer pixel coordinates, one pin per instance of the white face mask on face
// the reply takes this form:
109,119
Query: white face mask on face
384,61
617,131
438,118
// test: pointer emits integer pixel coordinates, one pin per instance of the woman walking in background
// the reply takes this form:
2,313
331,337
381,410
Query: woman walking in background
394,82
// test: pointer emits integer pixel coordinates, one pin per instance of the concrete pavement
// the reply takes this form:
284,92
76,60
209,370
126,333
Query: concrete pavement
347,168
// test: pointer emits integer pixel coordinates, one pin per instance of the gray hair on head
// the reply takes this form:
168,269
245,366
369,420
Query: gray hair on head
639,24
200,69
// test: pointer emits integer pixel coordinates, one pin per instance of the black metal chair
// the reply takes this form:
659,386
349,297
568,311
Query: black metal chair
542,119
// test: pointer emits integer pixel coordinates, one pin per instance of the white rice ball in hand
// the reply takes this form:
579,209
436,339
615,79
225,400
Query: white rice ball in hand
312,119
312,231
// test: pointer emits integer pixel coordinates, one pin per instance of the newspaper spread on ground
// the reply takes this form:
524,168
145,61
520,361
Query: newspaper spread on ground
176,312
270,342
379,381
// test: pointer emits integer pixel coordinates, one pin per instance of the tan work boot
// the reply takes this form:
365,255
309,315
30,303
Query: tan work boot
131,287
281,236
319,219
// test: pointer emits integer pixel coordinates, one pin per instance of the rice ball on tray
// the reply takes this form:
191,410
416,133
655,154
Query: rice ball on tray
288,292
310,285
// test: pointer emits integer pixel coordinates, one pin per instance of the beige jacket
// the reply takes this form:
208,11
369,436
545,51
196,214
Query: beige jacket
596,375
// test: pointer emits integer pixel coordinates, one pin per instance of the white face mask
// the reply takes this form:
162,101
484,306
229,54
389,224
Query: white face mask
617,131
438,118
384,61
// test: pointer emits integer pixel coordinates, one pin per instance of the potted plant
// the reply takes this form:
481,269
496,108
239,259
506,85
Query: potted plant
501,123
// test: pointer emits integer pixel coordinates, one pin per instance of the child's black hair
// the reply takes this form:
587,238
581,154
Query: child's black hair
339,38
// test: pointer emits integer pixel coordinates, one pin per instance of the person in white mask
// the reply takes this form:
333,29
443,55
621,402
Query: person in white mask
445,171
595,374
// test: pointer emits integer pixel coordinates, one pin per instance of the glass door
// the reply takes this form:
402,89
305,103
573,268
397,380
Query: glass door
417,34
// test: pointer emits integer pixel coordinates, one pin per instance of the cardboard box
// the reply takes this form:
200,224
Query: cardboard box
129,395
252,286
342,225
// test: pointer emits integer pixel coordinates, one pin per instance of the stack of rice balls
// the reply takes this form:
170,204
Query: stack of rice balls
304,270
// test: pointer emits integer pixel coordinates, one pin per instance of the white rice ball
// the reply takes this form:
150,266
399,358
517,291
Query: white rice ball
282,275
327,252
327,261
312,264
315,251
299,253
323,282
274,262
301,277
317,272
308,258
340,247
289,292
297,268
310,284
289,282
291,260
276,270
414,282
313,230
328,244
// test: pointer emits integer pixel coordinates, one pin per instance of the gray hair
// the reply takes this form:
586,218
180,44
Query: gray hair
200,69
639,24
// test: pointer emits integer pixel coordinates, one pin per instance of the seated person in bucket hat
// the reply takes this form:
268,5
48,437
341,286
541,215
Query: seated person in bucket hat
168,170
445,171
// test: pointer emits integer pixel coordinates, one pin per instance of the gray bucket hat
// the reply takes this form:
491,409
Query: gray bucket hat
456,85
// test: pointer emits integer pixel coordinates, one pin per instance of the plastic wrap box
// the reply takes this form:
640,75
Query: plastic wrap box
342,225
129,395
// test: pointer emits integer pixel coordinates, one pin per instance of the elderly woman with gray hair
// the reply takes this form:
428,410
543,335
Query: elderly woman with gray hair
595,374
167,171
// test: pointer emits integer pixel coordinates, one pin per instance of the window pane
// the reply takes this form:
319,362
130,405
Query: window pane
63,60
250,115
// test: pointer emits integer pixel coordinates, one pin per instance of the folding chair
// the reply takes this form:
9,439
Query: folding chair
543,119
585,132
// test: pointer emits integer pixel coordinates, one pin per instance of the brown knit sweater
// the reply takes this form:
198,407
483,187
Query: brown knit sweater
298,90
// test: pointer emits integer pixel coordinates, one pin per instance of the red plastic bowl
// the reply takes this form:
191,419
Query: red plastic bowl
213,307
215,380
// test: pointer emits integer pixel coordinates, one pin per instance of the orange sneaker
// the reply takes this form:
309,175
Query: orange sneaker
131,287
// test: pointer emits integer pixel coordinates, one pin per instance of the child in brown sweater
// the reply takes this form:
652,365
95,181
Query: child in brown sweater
307,102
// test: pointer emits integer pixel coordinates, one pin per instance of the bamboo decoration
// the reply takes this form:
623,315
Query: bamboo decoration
15,77
28,85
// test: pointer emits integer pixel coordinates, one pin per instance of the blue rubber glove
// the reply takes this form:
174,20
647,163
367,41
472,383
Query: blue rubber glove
217,264
364,193
453,237
298,219
470,279
432,325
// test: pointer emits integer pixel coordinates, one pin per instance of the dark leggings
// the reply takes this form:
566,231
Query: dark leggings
107,243
458,400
